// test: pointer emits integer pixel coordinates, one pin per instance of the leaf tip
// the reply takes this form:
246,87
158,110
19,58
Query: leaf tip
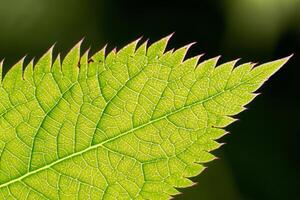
80,42
168,37
50,50
1,69
138,39
114,50
280,62
194,184
283,61
87,51
1,65
290,56
21,61
216,158
104,48
78,45
188,46
222,144
227,133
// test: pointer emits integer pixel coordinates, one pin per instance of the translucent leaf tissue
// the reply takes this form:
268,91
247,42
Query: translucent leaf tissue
131,124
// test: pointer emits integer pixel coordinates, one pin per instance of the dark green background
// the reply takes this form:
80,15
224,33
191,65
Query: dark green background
261,158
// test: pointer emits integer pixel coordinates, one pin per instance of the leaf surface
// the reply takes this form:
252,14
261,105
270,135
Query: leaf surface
133,124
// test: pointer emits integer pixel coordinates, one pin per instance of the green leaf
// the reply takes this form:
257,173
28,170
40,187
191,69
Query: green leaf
133,124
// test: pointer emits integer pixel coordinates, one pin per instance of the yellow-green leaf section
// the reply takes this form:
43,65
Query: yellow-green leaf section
133,124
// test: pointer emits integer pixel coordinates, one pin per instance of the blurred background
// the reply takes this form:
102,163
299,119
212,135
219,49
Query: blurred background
262,158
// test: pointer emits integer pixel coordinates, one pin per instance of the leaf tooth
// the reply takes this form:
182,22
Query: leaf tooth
114,50
85,57
20,66
158,48
1,70
213,145
238,73
43,65
166,56
206,67
99,56
179,55
269,68
194,184
111,56
197,58
186,48
21,61
142,49
83,64
14,75
256,94
191,63
221,74
56,67
171,190
219,134
78,45
194,169
128,49
70,63
168,37
225,121
248,98
185,182
28,71
261,73
229,65
205,157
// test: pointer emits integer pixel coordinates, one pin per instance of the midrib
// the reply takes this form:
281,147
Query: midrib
110,140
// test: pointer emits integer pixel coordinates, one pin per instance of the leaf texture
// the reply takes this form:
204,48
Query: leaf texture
133,124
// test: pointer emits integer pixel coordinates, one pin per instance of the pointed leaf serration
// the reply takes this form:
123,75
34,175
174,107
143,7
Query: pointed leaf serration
133,124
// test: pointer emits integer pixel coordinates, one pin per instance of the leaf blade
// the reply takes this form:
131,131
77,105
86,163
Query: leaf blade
135,123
